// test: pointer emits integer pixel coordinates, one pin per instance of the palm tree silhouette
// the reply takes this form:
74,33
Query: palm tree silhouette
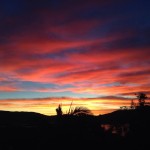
80,111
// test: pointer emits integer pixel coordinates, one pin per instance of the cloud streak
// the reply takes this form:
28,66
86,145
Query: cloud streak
78,48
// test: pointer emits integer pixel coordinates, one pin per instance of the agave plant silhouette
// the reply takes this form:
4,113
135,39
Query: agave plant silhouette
80,111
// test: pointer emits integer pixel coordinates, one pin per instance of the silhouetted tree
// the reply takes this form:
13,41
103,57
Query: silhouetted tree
59,110
132,106
141,97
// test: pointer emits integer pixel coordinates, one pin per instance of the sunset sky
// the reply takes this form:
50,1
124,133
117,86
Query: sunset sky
95,53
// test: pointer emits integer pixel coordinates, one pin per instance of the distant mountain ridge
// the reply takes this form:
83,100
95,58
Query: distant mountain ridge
123,116
19,118
16,118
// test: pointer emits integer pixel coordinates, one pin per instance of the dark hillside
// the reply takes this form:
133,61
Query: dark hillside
22,119
133,125
127,116
29,131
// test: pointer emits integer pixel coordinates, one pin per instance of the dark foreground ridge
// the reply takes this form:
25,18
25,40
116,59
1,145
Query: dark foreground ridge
121,129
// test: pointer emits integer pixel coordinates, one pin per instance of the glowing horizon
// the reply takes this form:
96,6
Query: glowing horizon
48,105
88,49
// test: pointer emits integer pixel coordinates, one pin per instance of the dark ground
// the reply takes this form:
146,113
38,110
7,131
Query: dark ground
33,131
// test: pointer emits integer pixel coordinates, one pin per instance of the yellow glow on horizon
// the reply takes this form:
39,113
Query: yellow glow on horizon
48,106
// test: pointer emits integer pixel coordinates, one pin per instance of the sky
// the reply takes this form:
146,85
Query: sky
95,53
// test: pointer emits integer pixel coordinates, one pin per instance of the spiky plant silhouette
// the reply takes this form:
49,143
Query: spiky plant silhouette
80,111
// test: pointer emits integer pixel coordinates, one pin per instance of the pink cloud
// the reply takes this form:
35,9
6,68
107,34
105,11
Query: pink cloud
87,71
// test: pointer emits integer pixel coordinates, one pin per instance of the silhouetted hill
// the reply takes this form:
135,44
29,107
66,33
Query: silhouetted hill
127,116
27,119
22,119
133,125
29,130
